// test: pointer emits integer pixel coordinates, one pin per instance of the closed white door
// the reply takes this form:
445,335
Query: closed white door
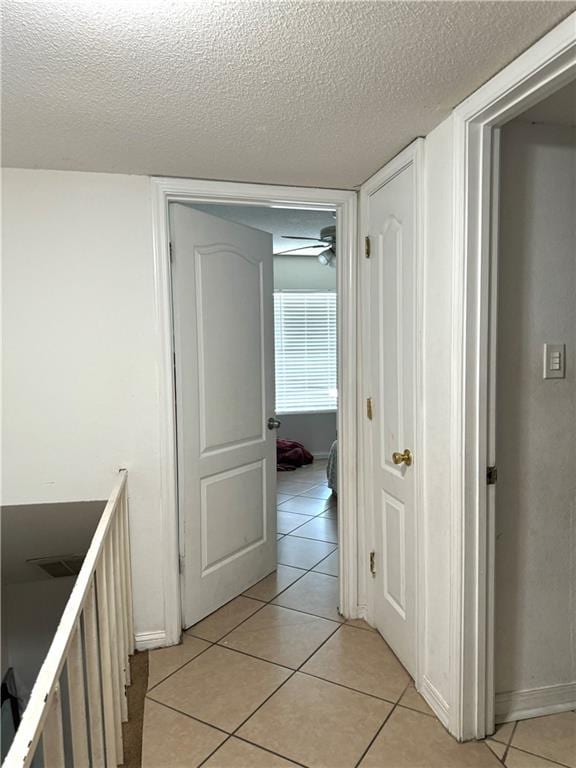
389,202
224,369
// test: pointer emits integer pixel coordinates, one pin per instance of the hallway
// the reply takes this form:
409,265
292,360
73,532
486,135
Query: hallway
276,678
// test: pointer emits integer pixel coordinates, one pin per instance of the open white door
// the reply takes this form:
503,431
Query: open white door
389,202
224,368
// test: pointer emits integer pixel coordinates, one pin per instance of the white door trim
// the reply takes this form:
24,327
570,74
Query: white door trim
167,190
542,69
412,155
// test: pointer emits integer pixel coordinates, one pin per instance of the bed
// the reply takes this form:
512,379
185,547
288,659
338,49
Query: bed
332,468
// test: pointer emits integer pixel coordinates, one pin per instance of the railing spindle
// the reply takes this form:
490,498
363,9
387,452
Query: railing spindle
77,697
128,566
119,634
93,681
116,681
53,735
123,588
112,753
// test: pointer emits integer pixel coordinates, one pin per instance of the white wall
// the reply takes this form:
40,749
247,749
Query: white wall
316,431
438,268
536,433
80,396
293,273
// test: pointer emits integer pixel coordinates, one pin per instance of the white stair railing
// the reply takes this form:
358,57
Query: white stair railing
94,640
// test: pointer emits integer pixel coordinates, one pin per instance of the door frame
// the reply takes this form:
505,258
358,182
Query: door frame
175,190
542,69
412,155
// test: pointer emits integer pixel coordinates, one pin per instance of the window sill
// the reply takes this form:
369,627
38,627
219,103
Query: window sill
306,413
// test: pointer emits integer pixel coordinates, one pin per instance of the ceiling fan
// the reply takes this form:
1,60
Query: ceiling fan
326,241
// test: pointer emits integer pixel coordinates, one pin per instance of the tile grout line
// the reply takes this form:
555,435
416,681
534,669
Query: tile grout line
259,746
217,642
505,755
299,669
209,755
535,754
294,671
264,604
253,656
308,538
349,687
381,728
301,525
211,644
192,717
266,749
234,733
323,560
340,622
309,519
257,600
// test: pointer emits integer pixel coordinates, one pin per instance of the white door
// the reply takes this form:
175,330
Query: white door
389,204
224,368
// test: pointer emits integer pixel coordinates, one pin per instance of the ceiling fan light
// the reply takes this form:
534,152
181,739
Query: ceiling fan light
326,258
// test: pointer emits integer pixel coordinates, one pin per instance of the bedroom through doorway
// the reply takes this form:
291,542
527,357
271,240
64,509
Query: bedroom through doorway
305,320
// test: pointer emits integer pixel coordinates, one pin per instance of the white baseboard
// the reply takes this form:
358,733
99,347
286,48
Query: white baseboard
146,641
435,700
535,702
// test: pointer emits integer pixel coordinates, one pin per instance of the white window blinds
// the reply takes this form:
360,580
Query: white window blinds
305,348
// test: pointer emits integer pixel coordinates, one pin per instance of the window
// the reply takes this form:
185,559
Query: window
305,345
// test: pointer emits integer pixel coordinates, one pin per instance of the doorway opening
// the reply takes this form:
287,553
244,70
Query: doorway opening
338,208
479,124
532,435
301,420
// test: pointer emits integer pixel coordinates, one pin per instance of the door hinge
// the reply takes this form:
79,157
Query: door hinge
367,247
181,564
369,408
491,475
372,563
170,250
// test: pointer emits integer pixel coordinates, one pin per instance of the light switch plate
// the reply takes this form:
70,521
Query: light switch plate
554,361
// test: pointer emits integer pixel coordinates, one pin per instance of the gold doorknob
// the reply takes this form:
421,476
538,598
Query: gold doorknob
402,458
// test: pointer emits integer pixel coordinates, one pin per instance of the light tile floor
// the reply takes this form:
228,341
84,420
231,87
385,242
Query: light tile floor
276,678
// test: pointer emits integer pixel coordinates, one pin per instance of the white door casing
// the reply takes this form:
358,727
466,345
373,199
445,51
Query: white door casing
353,518
224,372
390,220
542,69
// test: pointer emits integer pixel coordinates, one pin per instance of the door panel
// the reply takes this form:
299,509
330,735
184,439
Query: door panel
224,370
243,490
232,412
394,564
391,340
390,222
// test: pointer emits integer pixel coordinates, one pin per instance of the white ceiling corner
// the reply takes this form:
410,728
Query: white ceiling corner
303,92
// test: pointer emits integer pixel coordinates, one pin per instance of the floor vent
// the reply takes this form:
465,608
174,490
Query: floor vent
59,565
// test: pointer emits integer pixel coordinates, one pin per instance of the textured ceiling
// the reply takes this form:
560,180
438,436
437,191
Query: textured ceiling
277,221
307,92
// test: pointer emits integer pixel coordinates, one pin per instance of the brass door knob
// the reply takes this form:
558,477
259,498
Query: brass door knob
402,458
